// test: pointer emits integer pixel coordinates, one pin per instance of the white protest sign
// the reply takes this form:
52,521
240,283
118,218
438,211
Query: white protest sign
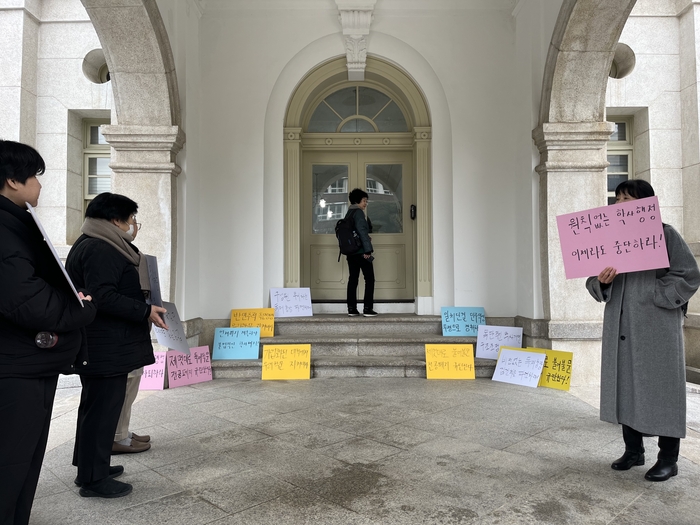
155,297
291,302
53,250
519,367
174,337
490,339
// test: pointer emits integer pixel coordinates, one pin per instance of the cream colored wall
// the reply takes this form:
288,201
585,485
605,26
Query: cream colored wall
244,53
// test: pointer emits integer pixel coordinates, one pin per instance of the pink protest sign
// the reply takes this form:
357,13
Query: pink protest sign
154,375
628,236
186,369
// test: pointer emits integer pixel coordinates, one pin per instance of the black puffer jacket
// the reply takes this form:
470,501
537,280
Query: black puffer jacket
35,297
119,339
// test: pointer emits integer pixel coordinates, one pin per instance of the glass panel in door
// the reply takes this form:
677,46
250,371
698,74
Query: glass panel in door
385,189
329,196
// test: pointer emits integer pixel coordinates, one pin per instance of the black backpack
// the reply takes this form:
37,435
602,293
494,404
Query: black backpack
348,240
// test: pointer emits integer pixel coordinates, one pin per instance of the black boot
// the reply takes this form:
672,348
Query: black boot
628,460
662,470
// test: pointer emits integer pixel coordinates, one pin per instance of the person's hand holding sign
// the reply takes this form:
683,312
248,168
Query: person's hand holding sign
607,275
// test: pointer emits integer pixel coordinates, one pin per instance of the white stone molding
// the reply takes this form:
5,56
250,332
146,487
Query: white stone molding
355,18
144,168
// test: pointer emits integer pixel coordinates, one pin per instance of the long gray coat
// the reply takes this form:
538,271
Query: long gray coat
643,363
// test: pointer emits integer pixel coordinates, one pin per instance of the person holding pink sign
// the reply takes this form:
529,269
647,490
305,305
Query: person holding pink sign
643,362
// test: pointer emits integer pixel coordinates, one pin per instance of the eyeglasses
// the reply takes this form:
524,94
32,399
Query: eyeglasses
137,224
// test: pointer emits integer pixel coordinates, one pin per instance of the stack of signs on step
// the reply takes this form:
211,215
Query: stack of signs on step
490,339
534,367
180,369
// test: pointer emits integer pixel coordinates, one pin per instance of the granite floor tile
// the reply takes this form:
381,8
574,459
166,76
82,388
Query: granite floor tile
179,509
198,471
359,450
242,490
314,436
401,436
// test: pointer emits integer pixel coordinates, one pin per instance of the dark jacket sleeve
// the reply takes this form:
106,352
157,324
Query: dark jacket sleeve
102,268
599,292
32,303
362,229
678,285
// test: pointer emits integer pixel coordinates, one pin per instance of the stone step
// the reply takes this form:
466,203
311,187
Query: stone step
336,325
346,366
388,345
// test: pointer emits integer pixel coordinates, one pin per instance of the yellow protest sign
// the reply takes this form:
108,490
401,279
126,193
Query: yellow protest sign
449,361
556,372
286,362
263,318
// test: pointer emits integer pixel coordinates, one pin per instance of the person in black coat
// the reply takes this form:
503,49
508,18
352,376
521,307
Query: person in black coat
41,333
105,261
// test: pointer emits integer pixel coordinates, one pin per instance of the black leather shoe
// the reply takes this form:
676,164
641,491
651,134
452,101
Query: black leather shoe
114,472
627,461
662,470
105,488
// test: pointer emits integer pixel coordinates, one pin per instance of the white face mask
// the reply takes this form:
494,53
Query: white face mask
131,230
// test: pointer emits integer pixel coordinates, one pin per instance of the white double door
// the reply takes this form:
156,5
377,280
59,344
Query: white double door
387,177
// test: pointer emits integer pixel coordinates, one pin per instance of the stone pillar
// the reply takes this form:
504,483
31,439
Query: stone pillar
292,202
19,45
424,234
143,162
572,177
690,110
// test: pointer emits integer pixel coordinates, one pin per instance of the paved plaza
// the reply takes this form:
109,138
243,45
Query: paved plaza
371,451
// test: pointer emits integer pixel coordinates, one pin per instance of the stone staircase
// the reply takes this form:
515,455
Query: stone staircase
390,345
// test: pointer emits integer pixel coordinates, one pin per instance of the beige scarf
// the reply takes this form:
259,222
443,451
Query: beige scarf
121,241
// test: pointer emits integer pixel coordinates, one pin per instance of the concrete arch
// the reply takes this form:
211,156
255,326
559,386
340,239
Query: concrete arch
579,58
140,61
391,50
147,136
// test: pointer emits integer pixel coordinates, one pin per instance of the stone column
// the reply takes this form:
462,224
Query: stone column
572,177
424,238
19,45
143,162
292,202
690,111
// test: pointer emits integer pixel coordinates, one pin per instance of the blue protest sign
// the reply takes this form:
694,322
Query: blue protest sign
236,343
461,321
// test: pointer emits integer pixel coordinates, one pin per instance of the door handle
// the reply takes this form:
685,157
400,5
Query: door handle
413,212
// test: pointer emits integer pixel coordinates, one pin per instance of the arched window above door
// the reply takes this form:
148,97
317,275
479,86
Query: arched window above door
357,109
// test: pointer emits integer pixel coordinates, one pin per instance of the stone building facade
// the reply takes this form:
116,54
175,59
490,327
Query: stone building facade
502,115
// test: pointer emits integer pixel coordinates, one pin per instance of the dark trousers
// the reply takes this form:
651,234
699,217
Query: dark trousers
355,264
100,405
25,412
634,442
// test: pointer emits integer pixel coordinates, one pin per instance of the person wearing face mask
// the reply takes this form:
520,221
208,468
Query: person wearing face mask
642,383
104,259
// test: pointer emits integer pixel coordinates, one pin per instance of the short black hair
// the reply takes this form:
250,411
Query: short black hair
357,195
111,206
19,162
637,188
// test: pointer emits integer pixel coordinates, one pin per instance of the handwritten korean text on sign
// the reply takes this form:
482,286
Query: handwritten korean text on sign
460,321
628,236
291,302
186,369
174,337
556,372
153,377
492,338
263,318
519,367
236,343
286,362
449,361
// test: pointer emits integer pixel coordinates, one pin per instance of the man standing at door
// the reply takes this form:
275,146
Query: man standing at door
362,260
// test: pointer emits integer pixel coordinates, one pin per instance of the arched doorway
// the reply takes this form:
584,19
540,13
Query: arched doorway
375,135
